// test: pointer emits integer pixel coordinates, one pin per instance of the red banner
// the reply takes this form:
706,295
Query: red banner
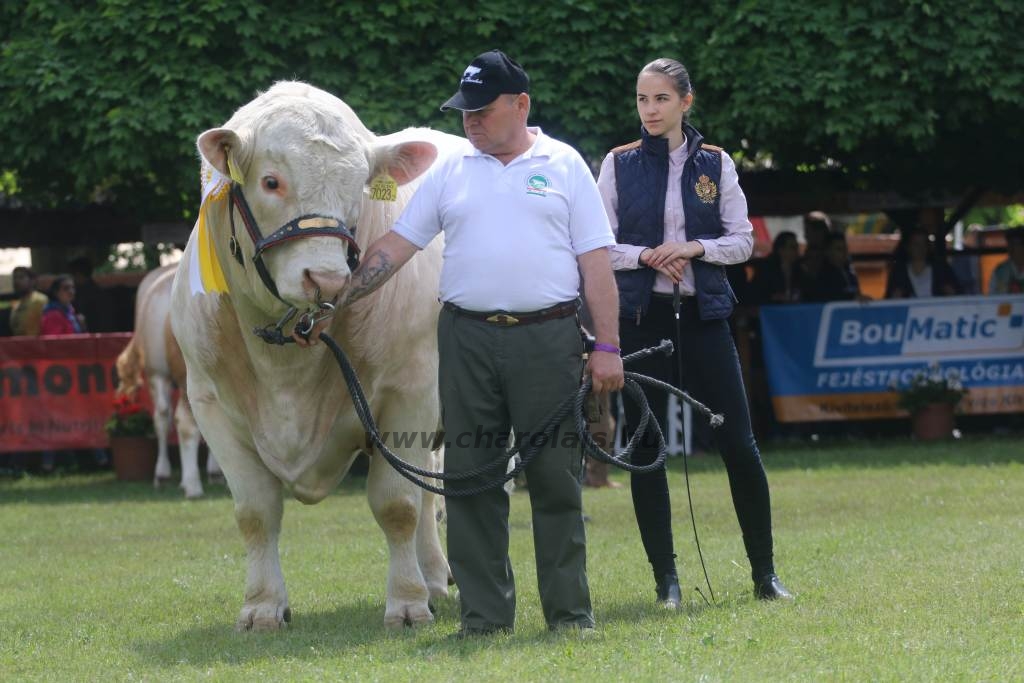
56,392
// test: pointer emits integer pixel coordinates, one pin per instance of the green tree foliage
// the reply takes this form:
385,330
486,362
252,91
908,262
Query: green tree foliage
103,100
919,93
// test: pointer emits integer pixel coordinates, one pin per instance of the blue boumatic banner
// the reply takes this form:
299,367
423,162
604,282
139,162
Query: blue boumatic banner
839,361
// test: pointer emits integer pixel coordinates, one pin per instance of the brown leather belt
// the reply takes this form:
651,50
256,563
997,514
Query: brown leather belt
508,319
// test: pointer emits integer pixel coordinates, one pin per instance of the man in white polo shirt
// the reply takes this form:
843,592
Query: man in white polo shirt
522,218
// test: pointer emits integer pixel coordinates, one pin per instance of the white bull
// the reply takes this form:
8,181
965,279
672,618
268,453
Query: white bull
154,357
280,417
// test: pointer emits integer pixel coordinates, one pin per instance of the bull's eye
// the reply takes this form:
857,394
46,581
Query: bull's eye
270,182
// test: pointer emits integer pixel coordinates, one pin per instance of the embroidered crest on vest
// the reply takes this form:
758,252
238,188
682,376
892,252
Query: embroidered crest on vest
707,192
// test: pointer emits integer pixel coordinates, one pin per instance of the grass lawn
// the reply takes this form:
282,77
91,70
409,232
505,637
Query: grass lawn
907,560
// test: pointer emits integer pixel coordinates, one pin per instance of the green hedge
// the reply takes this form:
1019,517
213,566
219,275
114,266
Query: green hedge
105,99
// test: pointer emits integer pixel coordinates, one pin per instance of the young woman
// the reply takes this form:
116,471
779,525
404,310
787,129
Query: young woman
59,316
917,271
680,217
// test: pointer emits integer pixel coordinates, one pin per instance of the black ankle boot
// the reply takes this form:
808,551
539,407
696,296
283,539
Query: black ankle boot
769,587
667,588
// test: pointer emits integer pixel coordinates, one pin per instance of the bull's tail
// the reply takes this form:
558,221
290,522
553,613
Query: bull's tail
130,366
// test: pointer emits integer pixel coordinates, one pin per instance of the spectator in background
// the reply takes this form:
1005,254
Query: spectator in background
1008,277
839,282
59,316
917,272
91,300
22,319
779,278
820,278
817,228
27,312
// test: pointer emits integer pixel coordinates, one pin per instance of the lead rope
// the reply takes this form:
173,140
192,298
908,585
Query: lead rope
676,303
527,449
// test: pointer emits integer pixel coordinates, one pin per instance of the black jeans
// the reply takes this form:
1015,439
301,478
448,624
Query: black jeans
711,374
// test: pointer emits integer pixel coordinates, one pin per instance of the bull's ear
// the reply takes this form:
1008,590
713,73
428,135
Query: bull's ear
404,161
215,145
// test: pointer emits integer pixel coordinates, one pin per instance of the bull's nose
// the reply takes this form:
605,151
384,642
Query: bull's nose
330,283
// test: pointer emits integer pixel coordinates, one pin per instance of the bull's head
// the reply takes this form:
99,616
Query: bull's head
300,161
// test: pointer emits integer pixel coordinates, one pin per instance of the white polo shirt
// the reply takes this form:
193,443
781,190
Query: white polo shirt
512,232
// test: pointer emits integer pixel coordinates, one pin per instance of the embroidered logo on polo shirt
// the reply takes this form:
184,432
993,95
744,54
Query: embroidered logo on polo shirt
706,189
537,184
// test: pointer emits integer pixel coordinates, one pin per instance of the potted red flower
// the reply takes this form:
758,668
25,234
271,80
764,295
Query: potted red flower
132,440
931,397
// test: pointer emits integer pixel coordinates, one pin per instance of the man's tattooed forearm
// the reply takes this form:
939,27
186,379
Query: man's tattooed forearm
371,274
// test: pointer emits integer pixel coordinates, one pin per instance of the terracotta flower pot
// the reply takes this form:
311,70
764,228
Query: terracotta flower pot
133,457
934,421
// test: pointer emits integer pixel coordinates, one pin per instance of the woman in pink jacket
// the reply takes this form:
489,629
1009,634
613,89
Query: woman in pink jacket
59,316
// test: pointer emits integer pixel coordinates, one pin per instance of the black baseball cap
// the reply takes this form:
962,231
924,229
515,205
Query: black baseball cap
489,75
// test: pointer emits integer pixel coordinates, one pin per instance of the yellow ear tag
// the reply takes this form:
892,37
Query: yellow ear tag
384,188
236,175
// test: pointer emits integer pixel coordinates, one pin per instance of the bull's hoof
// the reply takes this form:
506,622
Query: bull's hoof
409,616
193,491
451,578
216,479
263,618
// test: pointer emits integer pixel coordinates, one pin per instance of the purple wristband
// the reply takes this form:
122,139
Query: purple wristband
607,348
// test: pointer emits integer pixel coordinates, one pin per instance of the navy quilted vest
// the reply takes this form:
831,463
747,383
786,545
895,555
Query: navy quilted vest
641,172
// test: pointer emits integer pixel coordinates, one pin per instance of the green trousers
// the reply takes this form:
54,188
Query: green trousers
494,378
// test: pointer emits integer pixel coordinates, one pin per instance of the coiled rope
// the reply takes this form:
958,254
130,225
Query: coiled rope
572,404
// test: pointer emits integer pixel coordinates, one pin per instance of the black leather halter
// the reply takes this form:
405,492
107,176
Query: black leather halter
310,225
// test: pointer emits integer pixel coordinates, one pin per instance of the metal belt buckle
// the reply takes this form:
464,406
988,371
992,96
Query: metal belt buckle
502,319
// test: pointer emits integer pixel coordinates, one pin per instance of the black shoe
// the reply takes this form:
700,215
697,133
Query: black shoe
473,632
770,587
580,629
667,588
